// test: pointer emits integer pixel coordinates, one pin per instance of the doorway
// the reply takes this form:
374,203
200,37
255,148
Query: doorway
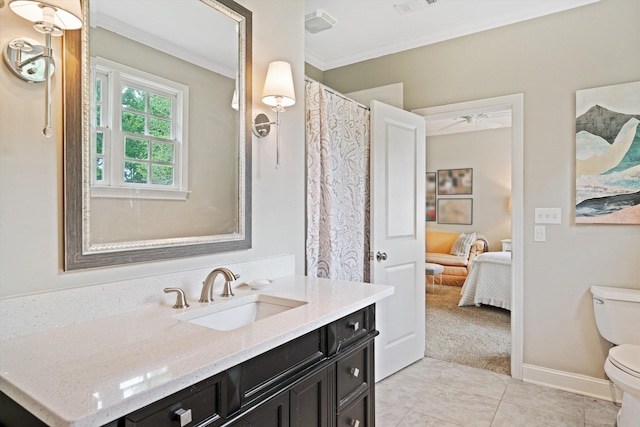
515,105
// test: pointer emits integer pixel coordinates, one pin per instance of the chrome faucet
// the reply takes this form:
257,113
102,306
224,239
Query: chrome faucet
207,286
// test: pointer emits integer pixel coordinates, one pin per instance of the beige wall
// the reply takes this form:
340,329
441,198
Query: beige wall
547,59
31,219
488,153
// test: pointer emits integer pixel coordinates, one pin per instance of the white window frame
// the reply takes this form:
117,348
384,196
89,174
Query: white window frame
112,184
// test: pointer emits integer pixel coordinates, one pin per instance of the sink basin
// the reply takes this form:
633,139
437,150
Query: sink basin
239,312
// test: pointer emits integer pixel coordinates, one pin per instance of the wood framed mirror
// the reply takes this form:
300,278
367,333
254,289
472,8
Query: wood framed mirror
157,149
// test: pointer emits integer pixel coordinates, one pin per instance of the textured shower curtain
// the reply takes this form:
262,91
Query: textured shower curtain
337,134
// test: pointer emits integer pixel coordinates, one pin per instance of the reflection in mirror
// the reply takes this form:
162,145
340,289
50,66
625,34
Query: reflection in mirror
163,162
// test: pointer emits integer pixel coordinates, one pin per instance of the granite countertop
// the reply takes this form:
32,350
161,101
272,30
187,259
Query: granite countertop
91,373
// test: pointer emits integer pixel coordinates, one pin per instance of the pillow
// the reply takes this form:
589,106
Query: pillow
462,245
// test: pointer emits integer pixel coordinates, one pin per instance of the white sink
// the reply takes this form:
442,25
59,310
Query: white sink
239,312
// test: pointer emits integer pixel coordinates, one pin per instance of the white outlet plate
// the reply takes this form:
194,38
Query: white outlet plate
540,233
548,215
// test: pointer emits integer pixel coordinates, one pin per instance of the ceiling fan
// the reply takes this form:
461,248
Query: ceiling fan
481,120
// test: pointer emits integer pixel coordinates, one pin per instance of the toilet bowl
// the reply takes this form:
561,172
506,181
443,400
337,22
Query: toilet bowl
617,313
623,369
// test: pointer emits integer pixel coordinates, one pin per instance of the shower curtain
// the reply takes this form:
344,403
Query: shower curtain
337,134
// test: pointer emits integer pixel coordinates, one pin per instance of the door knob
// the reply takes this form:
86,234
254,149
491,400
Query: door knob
381,256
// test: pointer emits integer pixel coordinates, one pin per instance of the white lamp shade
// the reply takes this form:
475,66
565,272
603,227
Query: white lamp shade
68,13
278,87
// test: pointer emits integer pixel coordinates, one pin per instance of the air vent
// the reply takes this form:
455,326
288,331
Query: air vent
412,6
318,21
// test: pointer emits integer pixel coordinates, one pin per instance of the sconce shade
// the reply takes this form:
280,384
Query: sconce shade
67,16
278,87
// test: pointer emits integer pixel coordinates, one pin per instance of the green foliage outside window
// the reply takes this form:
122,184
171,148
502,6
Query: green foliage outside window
162,153
136,148
159,128
135,172
160,106
99,168
134,99
162,175
134,123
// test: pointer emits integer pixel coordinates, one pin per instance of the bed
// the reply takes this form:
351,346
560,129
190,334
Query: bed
489,281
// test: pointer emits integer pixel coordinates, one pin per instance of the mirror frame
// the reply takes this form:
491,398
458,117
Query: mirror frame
76,92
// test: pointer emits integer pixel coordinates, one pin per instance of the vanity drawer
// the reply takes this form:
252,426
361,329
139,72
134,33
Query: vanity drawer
263,373
351,327
353,371
202,400
356,415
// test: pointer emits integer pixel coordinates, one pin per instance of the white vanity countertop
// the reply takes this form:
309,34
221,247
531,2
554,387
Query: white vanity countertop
91,373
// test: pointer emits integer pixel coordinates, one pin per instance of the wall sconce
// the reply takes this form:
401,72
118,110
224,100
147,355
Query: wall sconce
28,59
278,93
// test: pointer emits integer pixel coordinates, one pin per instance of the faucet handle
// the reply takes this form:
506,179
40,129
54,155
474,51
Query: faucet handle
181,301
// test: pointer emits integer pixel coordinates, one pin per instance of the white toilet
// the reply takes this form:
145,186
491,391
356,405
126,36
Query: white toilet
617,313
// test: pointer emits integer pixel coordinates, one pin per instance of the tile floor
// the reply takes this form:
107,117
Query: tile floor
435,393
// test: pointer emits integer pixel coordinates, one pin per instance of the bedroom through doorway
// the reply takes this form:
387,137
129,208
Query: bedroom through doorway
473,152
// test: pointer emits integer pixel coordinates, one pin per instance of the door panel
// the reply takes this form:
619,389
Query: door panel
397,230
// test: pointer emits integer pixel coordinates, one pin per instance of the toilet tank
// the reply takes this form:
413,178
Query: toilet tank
617,312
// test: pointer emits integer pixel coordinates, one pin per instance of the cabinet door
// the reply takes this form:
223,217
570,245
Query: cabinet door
309,401
273,413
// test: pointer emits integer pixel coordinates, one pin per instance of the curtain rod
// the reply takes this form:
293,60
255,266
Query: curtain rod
333,91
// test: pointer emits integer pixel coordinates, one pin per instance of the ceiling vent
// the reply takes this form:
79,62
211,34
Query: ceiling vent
412,6
318,21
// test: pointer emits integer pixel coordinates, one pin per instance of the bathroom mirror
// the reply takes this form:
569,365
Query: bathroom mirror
157,131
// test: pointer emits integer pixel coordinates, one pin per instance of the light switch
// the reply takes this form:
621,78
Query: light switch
540,233
548,215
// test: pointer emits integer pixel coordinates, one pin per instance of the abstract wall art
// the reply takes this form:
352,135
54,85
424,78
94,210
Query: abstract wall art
608,155
455,181
430,208
455,211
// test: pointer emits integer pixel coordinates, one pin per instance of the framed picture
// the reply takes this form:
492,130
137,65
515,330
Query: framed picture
455,211
430,211
455,181
607,155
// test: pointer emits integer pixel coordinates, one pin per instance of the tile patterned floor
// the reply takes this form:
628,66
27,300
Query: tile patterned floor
436,393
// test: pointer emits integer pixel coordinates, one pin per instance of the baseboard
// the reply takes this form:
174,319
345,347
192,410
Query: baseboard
575,383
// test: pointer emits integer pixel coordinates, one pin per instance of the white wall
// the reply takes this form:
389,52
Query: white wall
548,59
488,153
31,246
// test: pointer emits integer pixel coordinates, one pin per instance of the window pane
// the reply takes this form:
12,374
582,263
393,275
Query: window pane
136,148
160,106
98,90
99,168
160,128
133,123
99,143
134,99
135,172
98,115
161,153
162,175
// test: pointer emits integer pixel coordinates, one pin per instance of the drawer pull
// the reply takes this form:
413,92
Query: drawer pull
354,325
355,423
183,416
355,372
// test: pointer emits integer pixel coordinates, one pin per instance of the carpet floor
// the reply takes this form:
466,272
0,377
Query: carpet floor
479,337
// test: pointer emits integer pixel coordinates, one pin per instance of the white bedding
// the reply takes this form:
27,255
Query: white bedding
489,281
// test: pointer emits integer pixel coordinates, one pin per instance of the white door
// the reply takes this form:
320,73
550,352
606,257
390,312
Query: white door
397,234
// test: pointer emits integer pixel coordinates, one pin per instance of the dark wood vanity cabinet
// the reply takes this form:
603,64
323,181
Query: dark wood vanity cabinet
323,378
330,383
